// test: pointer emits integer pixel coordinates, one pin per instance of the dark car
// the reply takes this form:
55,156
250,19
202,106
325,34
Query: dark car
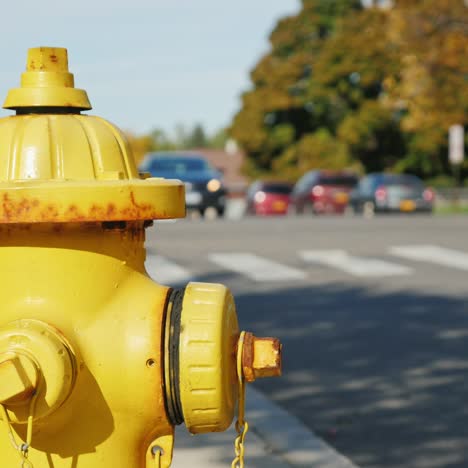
319,192
268,198
379,192
204,190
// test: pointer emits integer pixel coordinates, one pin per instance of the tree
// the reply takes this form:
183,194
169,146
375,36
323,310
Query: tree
197,138
386,83
318,150
160,141
350,72
218,139
430,89
373,137
276,113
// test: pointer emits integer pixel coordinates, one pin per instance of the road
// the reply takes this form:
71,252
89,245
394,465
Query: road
372,314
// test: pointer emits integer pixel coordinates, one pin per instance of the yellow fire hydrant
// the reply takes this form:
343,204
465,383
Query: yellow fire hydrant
98,363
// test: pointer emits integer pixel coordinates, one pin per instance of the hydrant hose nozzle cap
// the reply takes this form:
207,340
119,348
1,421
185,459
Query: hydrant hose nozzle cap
201,382
201,348
47,83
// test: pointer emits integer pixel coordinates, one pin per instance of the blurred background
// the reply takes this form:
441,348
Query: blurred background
326,141
366,86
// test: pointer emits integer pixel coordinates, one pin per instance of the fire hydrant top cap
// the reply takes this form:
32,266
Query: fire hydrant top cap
47,83
58,165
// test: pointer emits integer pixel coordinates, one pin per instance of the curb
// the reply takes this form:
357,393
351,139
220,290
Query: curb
276,439
289,438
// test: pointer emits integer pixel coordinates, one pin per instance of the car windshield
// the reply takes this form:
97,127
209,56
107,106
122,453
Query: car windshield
282,189
345,181
403,180
179,166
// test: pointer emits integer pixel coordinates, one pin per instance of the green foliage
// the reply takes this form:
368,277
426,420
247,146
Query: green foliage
372,136
159,140
441,181
281,110
345,85
318,150
197,138
218,140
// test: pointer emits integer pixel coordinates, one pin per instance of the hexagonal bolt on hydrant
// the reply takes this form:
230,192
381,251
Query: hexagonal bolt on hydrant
98,362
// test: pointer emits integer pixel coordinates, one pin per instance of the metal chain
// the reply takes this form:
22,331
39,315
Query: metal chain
242,426
22,449
157,458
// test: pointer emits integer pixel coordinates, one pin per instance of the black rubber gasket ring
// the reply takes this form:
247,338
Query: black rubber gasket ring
173,403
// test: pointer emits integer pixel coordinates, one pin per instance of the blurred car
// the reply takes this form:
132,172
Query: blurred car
319,192
268,198
380,192
204,190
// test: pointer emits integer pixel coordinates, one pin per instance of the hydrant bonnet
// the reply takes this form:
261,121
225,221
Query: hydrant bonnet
57,165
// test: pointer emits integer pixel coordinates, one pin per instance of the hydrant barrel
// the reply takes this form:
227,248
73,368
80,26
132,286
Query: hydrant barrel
98,362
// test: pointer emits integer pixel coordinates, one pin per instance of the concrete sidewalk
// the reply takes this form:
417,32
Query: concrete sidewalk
275,439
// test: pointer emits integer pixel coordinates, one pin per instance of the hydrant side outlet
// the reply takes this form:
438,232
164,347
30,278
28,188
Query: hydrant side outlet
208,336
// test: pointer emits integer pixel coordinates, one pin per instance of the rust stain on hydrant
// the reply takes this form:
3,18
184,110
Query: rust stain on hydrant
261,357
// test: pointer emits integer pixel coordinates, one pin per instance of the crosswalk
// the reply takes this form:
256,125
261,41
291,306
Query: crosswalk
433,254
356,266
165,271
258,268
255,267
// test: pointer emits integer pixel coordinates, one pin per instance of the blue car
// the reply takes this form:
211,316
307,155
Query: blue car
204,190
384,193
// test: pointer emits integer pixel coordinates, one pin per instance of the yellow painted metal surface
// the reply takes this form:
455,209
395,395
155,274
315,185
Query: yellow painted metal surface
19,377
208,340
47,83
89,201
54,360
97,361
57,165
77,304
90,284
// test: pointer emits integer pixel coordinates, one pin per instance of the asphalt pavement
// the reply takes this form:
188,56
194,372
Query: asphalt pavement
372,315
275,439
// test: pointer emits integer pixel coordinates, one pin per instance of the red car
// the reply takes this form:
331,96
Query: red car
320,192
268,198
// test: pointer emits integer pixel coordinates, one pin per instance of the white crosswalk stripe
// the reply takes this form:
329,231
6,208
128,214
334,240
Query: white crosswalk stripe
255,267
357,266
164,271
432,254
261,269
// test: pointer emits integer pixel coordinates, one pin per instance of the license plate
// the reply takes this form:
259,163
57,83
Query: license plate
407,205
193,198
279,205
341,197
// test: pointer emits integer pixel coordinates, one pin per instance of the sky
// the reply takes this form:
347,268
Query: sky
148,63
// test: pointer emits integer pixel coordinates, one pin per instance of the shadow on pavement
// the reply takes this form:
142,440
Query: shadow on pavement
217,451
381,376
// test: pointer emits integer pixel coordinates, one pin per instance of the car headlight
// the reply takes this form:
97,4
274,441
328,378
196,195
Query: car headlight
260,197
213,185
